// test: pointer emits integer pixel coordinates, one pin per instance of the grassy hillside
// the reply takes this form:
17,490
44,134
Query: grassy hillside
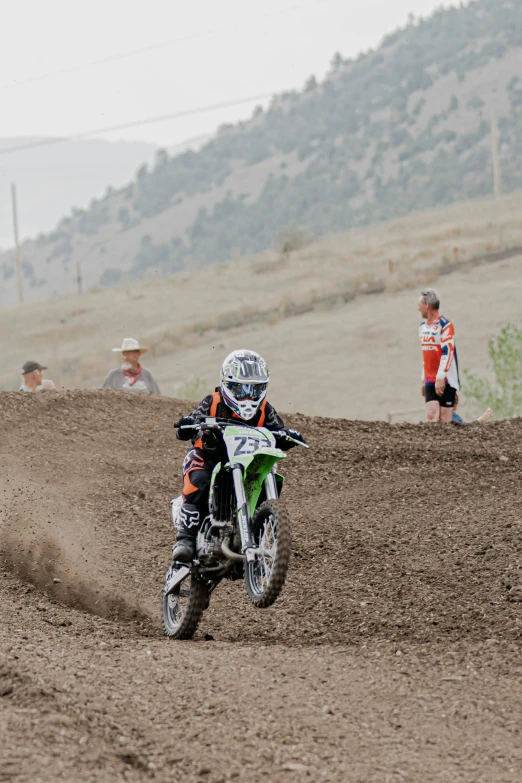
401,128
334,344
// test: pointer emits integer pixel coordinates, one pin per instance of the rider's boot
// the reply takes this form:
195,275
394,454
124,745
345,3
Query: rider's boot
188,526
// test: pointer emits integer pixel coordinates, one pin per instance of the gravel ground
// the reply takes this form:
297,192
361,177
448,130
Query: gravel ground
393,653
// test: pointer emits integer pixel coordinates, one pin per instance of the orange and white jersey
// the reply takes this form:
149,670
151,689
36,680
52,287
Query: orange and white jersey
439,353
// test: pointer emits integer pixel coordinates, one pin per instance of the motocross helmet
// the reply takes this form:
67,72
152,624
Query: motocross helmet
244,380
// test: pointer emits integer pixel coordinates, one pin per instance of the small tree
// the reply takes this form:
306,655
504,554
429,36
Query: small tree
161,159
124,217
311,84
504,393
291,237
336,62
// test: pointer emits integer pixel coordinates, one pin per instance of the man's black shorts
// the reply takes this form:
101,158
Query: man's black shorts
446,400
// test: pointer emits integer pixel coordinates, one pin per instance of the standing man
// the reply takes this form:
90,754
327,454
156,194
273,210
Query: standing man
440,377
131,376
33,380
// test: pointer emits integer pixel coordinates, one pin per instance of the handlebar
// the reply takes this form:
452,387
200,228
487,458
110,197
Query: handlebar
210,423
286,436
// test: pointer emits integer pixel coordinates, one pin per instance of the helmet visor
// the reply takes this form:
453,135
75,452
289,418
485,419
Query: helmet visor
246,391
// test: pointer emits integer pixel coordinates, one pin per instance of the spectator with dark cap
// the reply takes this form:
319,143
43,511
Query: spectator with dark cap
33,380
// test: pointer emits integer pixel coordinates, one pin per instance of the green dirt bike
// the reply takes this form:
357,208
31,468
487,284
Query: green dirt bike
247,534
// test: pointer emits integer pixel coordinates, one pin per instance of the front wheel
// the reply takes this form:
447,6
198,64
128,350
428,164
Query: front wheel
183,608
272,531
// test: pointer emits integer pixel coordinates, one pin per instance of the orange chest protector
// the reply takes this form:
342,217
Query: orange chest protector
217,399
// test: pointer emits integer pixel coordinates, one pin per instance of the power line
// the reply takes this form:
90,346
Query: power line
112,58
137,123
153,47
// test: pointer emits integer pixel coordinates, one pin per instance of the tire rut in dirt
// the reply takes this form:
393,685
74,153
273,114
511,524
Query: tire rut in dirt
39,564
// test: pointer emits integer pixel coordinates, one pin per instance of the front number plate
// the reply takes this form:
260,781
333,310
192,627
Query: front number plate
245,442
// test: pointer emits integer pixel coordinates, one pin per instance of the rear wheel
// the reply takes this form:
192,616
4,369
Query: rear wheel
183,608
265,576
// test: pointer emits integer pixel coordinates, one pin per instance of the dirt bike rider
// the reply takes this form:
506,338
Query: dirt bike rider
242,396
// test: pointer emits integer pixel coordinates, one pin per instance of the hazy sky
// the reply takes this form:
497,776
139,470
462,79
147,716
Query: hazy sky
232,49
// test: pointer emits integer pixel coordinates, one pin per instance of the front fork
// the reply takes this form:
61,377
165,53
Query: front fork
271,486
245,524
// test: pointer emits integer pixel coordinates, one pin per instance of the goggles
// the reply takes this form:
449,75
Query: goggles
246,391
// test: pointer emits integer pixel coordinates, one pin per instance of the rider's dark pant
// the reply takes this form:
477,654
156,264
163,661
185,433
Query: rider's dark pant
197,472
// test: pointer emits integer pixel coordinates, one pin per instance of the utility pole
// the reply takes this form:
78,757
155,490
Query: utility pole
79,277
494,148
17,246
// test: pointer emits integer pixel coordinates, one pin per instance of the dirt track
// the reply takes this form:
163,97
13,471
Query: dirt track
394,653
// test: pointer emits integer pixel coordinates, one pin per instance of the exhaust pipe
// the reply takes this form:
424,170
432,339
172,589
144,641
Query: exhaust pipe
225,548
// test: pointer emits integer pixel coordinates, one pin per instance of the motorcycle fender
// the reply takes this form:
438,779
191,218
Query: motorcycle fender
176,579
256,471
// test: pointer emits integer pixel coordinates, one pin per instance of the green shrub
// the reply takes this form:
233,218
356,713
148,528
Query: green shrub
110,277
504,392
193,388
291,237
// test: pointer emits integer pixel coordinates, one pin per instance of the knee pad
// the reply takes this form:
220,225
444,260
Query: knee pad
175,505
188,516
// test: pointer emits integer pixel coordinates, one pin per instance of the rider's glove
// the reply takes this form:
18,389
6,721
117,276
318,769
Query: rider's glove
285,444
211,439
185,434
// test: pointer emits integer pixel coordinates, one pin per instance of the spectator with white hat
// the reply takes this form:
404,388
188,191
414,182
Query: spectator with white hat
131,376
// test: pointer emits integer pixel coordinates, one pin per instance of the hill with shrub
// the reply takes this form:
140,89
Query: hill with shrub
401,128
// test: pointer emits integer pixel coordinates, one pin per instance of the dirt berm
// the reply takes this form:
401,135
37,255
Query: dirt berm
394,652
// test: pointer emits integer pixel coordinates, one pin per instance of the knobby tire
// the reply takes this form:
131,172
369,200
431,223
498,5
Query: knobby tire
197,603
263,597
